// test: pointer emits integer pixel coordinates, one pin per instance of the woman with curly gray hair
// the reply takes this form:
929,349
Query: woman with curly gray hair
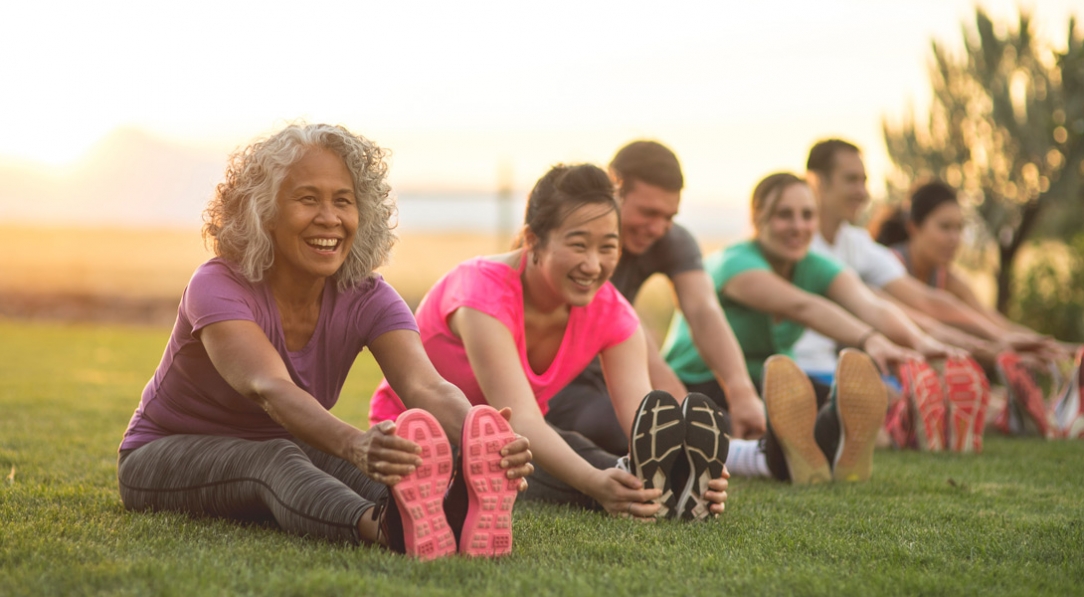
235,422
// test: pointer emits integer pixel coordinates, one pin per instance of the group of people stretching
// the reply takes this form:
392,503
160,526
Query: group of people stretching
533,363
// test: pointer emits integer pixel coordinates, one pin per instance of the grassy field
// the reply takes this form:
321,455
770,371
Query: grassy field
1010,521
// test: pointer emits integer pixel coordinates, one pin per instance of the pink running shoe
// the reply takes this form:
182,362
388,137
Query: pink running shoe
1069,412
967,400
923,389
980,420
1025,397
487,530
898,424
420,495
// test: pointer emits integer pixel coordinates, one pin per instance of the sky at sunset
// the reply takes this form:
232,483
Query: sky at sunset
463,92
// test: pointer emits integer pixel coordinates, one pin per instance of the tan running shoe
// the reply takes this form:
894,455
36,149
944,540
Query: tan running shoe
860,403
792,414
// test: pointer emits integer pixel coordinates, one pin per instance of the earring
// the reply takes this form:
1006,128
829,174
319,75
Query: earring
534,258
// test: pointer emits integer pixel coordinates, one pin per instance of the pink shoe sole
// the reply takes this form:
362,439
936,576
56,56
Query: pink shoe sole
487,530
420,495
967,400
1024,392
928,404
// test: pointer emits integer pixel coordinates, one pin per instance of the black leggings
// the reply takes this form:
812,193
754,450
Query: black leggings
544,487
584,406
826,430
304,490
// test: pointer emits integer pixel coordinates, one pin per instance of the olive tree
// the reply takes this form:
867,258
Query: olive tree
1006,127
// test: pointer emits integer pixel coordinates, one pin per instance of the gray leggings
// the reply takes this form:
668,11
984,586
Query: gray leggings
304,490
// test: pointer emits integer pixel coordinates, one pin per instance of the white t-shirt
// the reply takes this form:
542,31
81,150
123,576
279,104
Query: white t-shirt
875,265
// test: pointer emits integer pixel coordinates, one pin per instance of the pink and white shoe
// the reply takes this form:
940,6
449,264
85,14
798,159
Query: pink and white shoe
1069,411
487,529
898,424
922,388
1026,407
419,496
967,397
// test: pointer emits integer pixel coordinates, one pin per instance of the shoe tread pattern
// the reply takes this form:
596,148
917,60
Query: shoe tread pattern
1025,396
491,495
420,495
861,402
966,397
792,414
927,399
658,437
706,447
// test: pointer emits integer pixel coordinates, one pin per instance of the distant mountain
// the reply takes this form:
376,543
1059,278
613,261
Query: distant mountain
128,179
132,179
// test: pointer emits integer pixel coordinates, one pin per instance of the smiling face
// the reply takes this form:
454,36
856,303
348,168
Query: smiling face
647,213
317,217
937,238
580,255
784,233
843,192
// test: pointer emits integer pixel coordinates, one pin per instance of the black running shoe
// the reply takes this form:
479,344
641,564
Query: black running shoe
658,435
706,446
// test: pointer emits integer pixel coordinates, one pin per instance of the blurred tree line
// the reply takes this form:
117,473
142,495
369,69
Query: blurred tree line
1006,127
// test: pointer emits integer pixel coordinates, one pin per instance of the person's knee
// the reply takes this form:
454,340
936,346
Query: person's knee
281,452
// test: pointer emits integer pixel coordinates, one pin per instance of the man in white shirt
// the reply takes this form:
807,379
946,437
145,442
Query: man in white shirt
838,178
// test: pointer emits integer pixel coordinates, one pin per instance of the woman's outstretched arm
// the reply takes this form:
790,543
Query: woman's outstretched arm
769,293
495,360
852,294
411,374
245,358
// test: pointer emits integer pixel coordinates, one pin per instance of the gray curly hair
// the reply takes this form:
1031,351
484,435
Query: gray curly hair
237,218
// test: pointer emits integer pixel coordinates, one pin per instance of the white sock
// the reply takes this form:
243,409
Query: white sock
624,464
746,459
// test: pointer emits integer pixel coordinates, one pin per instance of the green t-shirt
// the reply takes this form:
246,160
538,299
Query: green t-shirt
757,333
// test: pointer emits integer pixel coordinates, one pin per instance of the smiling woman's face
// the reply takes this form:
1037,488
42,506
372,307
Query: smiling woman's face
317,217
580,255
787,231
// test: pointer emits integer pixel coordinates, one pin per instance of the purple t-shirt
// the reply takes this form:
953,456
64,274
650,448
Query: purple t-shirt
188,396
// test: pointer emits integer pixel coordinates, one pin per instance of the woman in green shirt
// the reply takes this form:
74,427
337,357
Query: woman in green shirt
772,288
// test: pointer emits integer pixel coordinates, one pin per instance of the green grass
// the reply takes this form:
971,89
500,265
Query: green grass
1008,522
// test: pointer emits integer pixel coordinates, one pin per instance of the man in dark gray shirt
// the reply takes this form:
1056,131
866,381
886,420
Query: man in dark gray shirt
649,181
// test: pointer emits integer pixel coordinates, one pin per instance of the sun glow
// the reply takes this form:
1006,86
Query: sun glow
738,90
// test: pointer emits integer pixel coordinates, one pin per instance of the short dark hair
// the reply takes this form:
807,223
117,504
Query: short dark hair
890,227
561,191
822,156
929,197
650,162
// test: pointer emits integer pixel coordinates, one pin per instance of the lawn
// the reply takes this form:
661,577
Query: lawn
1010,521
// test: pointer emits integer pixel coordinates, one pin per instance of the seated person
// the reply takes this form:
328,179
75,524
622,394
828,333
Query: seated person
938,395
648,180
925,241
771,288
513,329
235,422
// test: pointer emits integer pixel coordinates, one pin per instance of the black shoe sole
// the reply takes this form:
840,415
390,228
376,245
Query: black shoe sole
658,437
706,446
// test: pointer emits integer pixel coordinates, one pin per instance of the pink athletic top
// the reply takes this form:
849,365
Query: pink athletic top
496,289
187,395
